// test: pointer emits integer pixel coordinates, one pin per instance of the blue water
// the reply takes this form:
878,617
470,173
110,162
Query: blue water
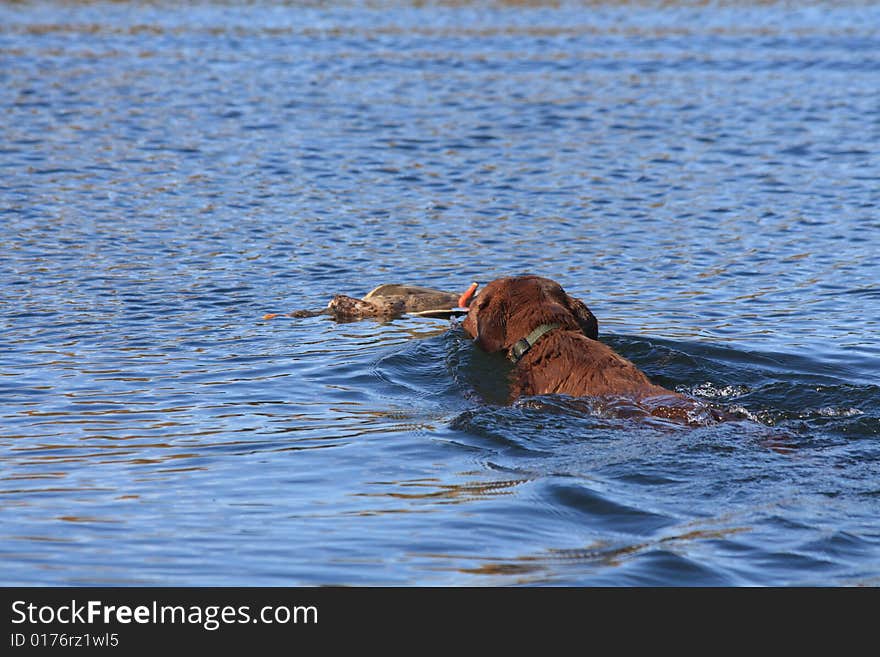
705,177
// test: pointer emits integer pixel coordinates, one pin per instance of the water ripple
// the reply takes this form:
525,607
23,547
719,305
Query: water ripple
702,177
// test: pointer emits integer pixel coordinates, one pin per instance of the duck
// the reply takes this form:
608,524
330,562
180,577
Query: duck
394,300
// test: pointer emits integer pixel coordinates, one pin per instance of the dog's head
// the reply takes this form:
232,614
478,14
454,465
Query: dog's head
508,309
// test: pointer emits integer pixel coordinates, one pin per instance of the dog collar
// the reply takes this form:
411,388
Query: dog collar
521,346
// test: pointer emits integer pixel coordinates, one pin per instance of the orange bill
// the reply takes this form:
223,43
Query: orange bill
465,299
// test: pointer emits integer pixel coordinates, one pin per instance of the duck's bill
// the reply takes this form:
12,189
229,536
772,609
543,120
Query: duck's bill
441,313
468,295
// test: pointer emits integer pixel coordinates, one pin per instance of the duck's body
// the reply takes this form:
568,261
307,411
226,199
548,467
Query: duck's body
392,300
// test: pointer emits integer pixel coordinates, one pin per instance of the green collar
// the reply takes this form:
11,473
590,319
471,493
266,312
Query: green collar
521,346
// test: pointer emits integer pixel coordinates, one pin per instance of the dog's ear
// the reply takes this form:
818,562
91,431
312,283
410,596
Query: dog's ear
587,320
490,328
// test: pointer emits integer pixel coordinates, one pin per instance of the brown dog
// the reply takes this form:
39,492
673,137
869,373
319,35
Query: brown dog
553,339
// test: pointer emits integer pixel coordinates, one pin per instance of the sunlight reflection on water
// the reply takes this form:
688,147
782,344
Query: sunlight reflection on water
701,176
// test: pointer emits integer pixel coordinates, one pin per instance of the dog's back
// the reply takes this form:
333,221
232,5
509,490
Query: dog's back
569,363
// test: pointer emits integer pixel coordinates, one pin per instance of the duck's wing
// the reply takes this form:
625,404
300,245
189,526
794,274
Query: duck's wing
398,290
441,313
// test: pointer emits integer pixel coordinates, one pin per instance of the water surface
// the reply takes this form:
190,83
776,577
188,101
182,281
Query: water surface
706,178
